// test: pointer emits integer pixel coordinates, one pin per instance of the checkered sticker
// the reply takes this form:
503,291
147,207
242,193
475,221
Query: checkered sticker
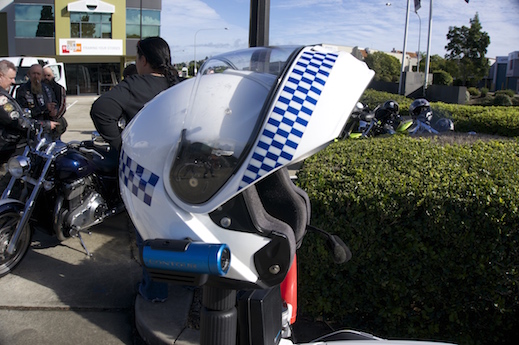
140,181
292,112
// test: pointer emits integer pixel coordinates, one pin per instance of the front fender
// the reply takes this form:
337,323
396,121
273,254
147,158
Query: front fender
11,204
404,126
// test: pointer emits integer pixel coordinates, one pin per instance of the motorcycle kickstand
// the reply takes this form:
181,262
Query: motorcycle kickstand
77,233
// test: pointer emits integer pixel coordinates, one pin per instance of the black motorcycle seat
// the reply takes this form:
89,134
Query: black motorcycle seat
107,159
109,164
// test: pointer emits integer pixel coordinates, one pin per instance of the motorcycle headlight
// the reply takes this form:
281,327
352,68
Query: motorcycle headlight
18,166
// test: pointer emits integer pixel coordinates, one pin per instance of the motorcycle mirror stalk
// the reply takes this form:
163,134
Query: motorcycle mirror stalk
341,253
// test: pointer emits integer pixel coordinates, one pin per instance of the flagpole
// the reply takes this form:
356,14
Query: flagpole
404,52
428,49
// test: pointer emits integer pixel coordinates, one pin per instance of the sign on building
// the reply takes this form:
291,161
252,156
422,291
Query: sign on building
85,46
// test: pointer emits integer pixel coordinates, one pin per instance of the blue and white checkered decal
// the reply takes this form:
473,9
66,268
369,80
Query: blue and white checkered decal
140,181
292,112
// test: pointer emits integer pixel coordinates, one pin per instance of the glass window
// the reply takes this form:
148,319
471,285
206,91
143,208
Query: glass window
34,20
150,23
90,25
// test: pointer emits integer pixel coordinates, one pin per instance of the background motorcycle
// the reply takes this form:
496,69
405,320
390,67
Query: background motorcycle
385,119
358,122
61,188
422,115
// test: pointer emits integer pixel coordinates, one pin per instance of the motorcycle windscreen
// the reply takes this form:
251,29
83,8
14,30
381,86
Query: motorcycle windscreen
227,108
244,123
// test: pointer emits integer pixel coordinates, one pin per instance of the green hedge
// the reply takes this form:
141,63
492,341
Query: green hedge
433,228
373,98
503,121
493,120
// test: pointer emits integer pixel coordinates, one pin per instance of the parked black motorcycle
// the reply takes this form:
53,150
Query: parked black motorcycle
384,119
61,188
358,122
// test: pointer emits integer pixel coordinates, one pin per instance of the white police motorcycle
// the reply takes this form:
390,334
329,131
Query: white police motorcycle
203,175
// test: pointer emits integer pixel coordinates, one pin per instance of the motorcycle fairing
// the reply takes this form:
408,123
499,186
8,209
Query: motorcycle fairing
253,124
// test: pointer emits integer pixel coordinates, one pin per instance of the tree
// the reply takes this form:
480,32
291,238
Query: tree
386,67
436,62
467,48
441,68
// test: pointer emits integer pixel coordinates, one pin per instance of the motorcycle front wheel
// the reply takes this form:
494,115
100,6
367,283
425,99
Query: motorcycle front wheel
10,216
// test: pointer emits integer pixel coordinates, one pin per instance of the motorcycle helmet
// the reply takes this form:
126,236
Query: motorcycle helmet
444,125
205,161
421,108
387,110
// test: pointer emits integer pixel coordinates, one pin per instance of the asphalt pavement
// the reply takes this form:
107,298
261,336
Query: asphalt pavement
60,295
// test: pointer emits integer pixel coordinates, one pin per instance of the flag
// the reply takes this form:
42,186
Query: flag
417,5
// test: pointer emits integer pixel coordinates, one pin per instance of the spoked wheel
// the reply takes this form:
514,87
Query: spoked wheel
9,219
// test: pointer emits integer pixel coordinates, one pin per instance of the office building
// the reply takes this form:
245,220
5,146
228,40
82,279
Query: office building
94,39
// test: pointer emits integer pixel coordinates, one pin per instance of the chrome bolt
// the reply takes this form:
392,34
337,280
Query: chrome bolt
274,269
225,222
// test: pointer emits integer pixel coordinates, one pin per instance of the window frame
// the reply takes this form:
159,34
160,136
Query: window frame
17,21
98,25
152,29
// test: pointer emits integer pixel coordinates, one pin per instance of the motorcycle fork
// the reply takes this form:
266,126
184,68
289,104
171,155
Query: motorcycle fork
367,131
7,191
29,205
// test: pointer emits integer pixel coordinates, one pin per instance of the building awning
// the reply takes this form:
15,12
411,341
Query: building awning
94,6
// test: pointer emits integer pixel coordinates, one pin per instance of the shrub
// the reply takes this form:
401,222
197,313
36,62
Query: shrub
373,98
441,77
433,232
474,91
503,121
508,92
484,91
502,99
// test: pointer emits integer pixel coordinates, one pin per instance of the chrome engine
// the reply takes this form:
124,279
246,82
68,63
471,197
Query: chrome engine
86,207
90,212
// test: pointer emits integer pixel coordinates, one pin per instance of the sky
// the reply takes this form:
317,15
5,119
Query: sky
219,26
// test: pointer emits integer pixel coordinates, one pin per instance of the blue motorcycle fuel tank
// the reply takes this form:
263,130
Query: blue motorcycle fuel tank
73,165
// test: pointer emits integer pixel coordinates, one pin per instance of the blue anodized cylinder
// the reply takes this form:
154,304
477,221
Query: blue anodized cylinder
197,257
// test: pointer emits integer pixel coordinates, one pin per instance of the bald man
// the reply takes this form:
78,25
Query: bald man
59,91
39,99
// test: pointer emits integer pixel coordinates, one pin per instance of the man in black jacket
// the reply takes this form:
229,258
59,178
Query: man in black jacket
12,124
39,98
61,97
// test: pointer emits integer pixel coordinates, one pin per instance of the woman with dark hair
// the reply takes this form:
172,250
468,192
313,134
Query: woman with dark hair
155,74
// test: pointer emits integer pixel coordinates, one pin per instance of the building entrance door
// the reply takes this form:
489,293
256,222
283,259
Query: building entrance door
91,78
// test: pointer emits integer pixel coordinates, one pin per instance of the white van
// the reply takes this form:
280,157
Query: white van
23,63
